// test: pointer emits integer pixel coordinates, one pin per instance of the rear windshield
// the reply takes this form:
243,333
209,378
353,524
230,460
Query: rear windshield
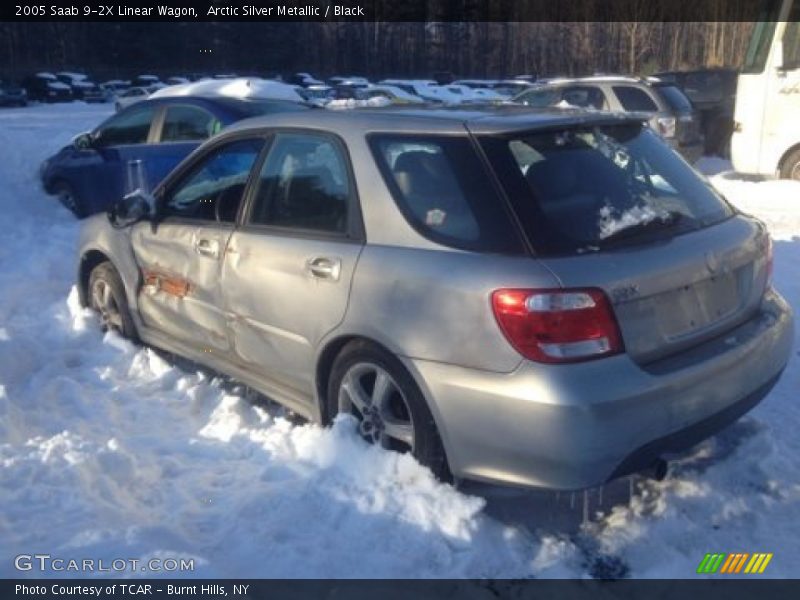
445,192
675,98
589,188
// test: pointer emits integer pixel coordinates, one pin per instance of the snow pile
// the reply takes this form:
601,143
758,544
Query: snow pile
241,87
109,451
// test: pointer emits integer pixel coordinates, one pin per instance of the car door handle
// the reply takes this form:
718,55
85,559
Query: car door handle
207,248
322,267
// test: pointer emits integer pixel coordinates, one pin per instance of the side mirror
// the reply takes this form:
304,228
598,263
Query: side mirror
83,141
132,208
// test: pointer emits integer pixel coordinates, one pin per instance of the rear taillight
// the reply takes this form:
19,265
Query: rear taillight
558,325
666,126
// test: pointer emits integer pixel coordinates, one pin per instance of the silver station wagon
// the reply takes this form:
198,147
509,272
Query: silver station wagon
540,298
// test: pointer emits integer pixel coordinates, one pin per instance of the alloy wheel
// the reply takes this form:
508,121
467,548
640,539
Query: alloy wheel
369,393
103,301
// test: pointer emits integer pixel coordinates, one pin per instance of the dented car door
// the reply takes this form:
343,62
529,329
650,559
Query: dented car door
180,257
288,268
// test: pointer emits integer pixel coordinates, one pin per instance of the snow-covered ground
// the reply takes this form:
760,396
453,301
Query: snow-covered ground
108,451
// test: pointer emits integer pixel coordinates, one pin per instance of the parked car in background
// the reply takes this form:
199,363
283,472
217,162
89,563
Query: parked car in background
154,135
130,96
12,94
116,85
317,94
347,88
604,308
427,89
82,87
713,94
671,113
391,92
501,87
149,82
352,81
44,87
145,80
474,95
304,79
177,80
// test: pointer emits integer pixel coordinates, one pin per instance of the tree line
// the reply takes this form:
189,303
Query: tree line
374,49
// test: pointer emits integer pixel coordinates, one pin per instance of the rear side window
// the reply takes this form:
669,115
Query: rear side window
304,185
444,191
130,127
675,98
584,96
634,99
583,189
540,98
188,123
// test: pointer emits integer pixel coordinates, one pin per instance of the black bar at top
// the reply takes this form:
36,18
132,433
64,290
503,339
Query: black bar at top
383,10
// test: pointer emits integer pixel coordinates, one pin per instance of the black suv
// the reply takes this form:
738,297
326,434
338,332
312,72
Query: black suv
713,94
45,87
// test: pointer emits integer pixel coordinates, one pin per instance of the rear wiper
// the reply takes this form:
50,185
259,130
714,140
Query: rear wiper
662,221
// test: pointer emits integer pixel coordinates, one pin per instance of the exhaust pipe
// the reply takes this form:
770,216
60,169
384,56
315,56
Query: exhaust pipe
657,470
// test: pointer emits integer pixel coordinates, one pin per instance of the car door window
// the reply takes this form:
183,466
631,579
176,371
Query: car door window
634,99
188,123
130,127
303,185
212,190
585,96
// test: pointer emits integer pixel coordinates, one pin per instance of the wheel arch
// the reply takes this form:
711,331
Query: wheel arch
327,356
791,150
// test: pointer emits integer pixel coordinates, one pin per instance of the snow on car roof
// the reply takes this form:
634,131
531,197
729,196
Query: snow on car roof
242,87
595,78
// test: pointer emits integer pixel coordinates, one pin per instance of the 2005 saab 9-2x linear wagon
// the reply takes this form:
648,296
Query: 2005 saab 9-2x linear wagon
550,299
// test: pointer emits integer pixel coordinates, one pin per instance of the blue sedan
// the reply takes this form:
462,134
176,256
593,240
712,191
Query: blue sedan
138,146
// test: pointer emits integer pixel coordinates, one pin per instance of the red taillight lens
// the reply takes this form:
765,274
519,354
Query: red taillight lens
558,325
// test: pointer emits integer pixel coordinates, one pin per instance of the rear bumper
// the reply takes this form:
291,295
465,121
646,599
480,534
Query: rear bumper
576,426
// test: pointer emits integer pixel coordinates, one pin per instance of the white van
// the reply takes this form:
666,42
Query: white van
766,136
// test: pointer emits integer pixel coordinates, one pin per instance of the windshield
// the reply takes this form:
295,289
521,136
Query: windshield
579,189
761,38
791,39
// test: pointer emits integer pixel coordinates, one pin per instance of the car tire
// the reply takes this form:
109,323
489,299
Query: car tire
790,167
67,196
403,410
106,296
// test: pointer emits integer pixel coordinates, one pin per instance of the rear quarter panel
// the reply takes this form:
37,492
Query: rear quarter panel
435,304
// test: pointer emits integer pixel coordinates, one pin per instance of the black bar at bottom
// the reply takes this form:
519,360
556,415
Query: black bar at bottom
349,589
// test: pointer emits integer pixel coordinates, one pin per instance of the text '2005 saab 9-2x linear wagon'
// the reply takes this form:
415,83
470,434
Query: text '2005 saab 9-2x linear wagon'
550,299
